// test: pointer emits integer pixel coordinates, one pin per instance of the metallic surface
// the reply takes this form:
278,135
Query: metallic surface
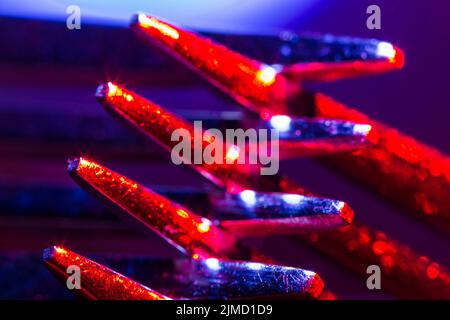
231,279
250,213
186,279
185,230
300,137
97,282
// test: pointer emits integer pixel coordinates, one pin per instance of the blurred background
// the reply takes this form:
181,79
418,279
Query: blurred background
48,77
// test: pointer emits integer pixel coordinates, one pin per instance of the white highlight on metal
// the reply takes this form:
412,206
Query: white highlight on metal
267,75
281,123
385,49
255,266
248,196
309,273
213,264
204,226
340,205
233,153
292,198
362,129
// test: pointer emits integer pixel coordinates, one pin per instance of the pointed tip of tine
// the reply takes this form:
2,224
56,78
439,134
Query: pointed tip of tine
315,285
135,19
73,164
394,55
346,213
399,58
48,253
139,18
103,90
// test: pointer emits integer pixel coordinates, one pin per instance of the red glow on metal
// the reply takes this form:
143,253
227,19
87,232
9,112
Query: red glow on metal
315,286
403,169
174,223
332,71
159,124
398,60
403,271
97,281
357,246
253,83
433,271
379,247
347,213
152,23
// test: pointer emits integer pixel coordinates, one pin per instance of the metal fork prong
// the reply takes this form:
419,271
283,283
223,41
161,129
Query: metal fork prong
95,281
182,228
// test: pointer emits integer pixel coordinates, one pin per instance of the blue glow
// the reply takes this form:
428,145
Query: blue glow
255,266
226,15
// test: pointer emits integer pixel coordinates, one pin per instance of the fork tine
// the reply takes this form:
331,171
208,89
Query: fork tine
258,86
317,57
97,282
159,124
305,137
250,213
252,83
182,228
243,280
374,57
238,279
